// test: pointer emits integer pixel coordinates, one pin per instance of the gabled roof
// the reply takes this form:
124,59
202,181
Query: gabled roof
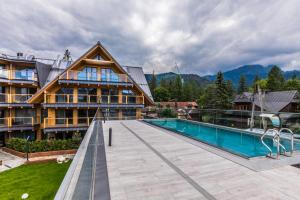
272,101
56,71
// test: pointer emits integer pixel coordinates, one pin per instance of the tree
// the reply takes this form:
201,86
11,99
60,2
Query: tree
262,84
177,88
242,85
292,84
222,98
230,90
256,79
275,79
187,92
152,83
208,98
161,94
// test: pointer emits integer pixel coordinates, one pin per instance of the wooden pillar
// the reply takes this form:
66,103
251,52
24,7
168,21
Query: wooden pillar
120,114
138,113
75,94
38,115
98,95
75,117
120,98
39,134
98,74
51,117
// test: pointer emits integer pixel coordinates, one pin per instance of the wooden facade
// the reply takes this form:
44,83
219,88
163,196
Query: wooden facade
66,106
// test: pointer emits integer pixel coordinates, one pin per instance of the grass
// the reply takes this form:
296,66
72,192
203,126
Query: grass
40,181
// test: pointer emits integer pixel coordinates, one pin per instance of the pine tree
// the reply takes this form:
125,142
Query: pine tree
230,91
222,98
275,79
255,81
152,83
187,92
177,88
242,85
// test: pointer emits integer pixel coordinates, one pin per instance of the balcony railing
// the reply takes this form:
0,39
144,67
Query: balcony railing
18,75
50,122
16,121
94,76
83,98
14,98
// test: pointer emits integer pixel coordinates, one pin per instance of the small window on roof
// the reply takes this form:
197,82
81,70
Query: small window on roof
97,57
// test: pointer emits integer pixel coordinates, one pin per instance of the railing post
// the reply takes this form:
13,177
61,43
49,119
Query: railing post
110,137
45,122
67,122
126,99
108,99
32,121
45,97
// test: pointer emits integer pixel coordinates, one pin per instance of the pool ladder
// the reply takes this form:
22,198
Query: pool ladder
276,139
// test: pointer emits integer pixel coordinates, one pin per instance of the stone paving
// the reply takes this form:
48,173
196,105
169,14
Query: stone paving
148,163
9,161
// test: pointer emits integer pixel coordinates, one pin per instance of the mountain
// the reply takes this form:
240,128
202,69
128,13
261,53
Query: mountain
250,71
186,77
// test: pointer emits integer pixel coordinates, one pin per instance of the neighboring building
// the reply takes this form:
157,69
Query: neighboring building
178,105
19,80
64,96
281,101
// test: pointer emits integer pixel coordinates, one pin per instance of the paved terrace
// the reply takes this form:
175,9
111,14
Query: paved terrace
146,162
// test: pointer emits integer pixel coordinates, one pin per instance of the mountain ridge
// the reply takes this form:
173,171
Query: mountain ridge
250,71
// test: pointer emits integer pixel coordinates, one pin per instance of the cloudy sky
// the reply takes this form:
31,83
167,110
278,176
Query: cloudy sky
201,36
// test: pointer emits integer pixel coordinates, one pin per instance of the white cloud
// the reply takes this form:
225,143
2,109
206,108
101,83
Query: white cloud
201,36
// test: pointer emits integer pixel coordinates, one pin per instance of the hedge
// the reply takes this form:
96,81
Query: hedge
19,144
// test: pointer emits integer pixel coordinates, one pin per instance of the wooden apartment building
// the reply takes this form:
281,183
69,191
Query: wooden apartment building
60,100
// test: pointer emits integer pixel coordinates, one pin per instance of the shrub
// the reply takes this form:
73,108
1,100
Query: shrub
19,144
167,112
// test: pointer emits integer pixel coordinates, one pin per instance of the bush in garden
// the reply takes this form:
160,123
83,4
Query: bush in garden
19,144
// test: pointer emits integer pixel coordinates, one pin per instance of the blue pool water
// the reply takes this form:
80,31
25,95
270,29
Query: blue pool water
243,144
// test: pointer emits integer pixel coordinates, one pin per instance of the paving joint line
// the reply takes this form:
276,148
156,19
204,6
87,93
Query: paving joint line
200,189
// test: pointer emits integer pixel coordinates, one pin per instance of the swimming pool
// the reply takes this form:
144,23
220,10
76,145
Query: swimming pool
233,140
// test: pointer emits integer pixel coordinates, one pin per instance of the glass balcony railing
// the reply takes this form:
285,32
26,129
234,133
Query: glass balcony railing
16,121
67,122
28,75
83,98
94,76
14,98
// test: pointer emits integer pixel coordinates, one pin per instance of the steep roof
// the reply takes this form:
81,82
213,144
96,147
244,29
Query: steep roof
61,67
137,74
272,101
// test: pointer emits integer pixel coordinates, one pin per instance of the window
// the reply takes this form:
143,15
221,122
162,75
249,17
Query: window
64,116
109,75
130,113
128,97
87,95
3,72
97,57
24,74
88,74
62,95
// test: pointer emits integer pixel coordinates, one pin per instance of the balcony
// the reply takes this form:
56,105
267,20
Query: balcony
63,124
16,123
14,100
93,101
18,76
95,78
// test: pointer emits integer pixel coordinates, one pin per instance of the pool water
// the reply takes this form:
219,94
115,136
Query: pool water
237,142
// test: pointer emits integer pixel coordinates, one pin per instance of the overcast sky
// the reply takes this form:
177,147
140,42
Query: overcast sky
201,36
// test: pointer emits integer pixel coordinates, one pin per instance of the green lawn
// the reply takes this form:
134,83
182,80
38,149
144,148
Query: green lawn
40,181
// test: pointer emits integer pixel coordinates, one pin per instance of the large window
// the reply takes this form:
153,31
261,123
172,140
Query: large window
128,97
23,94
25,74
64,95
64,116
2,94
109,95
87,95
129,113
3,72
24,117
109,75
88,74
